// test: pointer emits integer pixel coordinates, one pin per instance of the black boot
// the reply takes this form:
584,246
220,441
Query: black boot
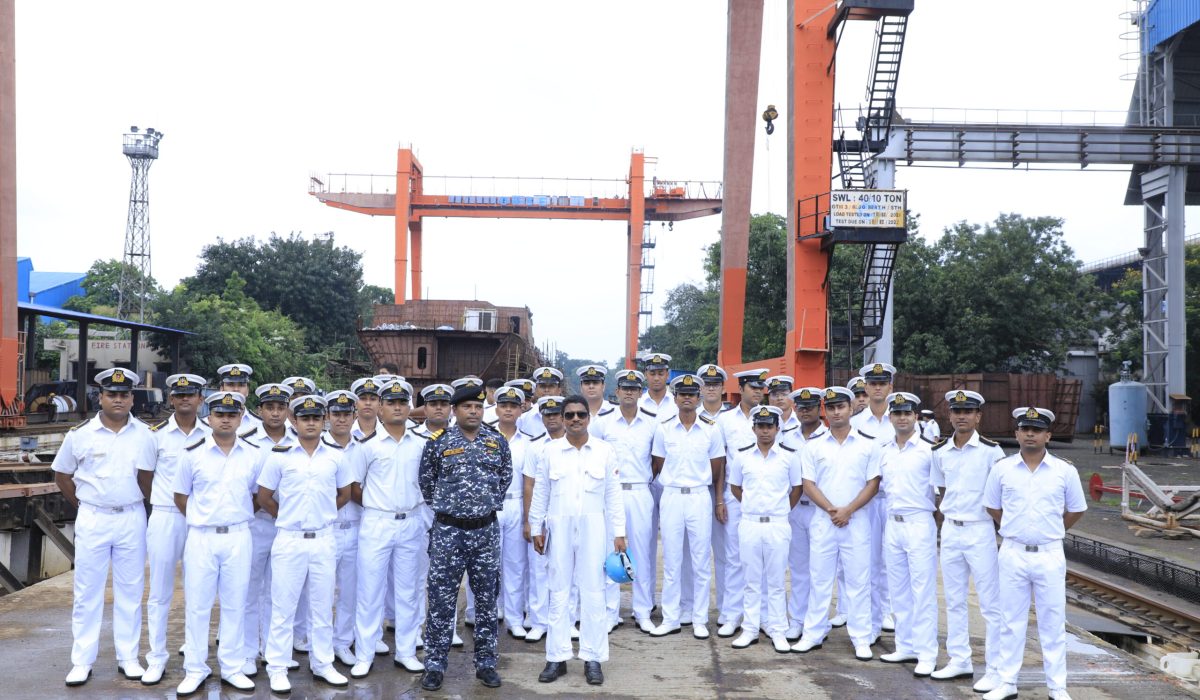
432,680
553,671
592,672
488,677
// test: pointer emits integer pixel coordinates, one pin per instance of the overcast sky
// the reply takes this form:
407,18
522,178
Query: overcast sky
255,96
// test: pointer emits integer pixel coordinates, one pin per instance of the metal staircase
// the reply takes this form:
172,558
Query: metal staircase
645,302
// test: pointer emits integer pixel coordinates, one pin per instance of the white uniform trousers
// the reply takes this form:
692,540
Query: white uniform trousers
881,602
345,535
258,592
514,556
851,546
104,536
218,567
640,536
686,511
166,533
302,560
969,551
685,579
1039,576
764,542
389,549
576,560
798,564
733,581
538,587
910,548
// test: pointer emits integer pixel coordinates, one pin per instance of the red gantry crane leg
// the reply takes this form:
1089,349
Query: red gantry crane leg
8,212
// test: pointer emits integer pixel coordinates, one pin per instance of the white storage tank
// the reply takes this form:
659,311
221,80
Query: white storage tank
1127,402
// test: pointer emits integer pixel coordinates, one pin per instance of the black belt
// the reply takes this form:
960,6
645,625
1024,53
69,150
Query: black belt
465,523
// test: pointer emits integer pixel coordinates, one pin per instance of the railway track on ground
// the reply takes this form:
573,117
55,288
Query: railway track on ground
1169,625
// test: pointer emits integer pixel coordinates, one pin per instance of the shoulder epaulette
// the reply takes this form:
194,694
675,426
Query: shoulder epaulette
281,448
251,412
539,437
743,449
77,426
989,443
249,432
652,414
155,428
423,434
332,443
668,420
249,442
725,407
526,434
364,438
195,444
785,447
605,412
437,434
788,430
204,420
489,426
866,435
941,443
931,442
709,421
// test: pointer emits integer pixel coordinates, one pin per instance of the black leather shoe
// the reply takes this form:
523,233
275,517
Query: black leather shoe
592,672
553,671
488,677
432,680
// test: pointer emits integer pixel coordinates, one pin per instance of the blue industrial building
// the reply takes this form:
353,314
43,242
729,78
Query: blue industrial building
46,288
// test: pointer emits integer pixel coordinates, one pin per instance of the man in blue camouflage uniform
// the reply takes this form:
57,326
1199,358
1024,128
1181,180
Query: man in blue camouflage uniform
464,474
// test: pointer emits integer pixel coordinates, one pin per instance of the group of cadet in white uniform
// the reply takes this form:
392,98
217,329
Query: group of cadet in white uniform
310,536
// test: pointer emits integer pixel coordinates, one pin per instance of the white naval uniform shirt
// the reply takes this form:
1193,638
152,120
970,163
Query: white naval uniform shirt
305,486
661,409
351,512
104,464
687,453
931,430
220,487
737,430
795,439
249,422
518,447
840,470
530,422
791,424
358,433
879,428
766,481
1034,501
905,473
170,441
713,415
387,469
963,472
632,441
574,481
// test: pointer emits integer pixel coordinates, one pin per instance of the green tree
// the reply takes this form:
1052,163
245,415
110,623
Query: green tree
1006,296
302,279
100,288
370,295
232,327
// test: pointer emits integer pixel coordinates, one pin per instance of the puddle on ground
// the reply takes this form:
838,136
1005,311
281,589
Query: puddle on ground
1075,645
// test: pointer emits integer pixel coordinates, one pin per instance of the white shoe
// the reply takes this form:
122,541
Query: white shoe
250,668
280,684
781,644
923,669
574,632
838,620
302,646
897,657
988,683
806,645
153,674
239,682
727,630
889,623
700,630
331,676
535,634
1004,691
132,670
664,629
794,631
518,632
745,639
862,652
293,664
646,625
360,669
410,663
79,675
420,644
952,670
381,648
1058,694
343,654
191,683
457,641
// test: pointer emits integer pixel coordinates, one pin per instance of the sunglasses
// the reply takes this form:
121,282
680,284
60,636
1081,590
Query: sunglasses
572,415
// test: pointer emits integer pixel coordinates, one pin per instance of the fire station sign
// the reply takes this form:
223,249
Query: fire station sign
867,209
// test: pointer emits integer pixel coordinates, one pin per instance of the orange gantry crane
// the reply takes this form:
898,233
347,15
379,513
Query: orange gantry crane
410,205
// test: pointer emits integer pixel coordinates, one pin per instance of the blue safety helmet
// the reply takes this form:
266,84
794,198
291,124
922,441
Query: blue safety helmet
619,567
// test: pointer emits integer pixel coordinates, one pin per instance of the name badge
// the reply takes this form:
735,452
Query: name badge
453,451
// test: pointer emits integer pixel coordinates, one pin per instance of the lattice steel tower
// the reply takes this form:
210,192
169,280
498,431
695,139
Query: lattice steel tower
142,151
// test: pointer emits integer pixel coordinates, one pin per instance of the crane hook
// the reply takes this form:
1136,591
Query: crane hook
769,116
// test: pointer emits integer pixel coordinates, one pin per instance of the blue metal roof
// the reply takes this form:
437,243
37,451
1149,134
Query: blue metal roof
68,315
41,281
1166,18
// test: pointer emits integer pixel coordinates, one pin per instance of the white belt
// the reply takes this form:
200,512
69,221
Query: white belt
512,496
804,502
911,516
345,524
166,509
391,514
111,510
1051,546
221,529
966,523
685,490
304,534
631,485
763,518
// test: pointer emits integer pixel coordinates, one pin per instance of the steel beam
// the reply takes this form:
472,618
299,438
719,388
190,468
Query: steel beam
42,519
